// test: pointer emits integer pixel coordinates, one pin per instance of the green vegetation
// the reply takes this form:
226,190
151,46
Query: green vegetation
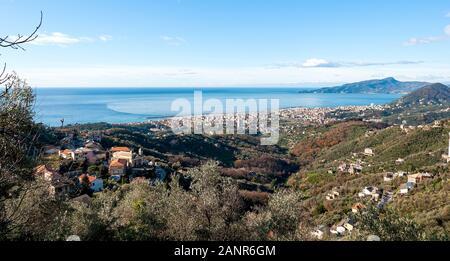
225,187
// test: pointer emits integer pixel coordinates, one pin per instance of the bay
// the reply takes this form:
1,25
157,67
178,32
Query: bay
125,105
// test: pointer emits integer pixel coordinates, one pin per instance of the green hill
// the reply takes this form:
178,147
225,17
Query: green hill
420,148
387,85
434,94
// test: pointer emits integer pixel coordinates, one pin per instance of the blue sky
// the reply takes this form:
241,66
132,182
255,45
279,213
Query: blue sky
228,42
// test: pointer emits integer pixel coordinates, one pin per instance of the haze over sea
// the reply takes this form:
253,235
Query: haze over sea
125,105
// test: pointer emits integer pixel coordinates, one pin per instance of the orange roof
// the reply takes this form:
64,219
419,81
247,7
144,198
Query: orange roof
358,206
55,177
118,163
90,178
120,149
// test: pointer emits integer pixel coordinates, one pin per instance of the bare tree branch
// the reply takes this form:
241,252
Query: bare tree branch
7,42
20,39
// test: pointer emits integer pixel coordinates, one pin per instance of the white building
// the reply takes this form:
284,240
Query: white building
399,161
369,152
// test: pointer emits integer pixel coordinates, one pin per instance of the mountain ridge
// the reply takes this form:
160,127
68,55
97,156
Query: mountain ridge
387,85
436,94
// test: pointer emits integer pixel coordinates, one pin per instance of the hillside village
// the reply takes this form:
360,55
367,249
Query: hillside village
107,169
341,173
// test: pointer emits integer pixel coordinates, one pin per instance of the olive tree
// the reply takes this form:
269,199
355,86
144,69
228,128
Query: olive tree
388,225
280,220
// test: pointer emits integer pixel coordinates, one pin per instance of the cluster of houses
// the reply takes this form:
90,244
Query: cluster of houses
344,226
390,176
352,168
63,186
341,228
355,168
373,193
92,151
120,161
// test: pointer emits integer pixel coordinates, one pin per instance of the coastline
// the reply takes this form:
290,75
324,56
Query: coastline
301,114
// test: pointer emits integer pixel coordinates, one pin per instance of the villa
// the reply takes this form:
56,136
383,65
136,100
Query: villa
127,154
118,167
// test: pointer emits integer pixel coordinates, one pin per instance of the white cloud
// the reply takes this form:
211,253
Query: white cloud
62,39
424,40
322,63
448,15
173,40
315,63
57,39
155,76
430,39
447,30
105,37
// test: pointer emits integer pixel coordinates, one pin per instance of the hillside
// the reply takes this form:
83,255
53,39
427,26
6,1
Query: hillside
423,106
420,149
387,85
436,94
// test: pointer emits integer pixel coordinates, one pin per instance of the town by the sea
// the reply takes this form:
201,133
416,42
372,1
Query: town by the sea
125,105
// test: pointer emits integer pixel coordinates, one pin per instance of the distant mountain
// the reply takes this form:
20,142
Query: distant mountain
433,94
388,85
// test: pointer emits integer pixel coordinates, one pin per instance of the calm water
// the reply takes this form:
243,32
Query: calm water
122,105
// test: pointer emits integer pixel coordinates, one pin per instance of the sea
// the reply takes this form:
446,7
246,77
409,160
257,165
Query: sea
129,105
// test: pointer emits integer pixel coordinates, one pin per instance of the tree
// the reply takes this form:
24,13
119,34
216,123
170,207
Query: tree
209,207
388,225
280,220
18,135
